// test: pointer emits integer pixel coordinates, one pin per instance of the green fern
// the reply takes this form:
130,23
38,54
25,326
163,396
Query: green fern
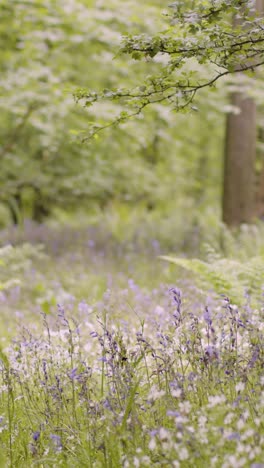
224,275
13,260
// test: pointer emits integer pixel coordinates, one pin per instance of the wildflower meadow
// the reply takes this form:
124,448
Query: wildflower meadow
132,234
125,363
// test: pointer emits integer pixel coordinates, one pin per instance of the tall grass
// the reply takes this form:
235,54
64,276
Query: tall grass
108,364
182,387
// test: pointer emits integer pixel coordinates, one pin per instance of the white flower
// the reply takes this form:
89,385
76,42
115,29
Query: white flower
183,453
229,418
240,424
214,461
202,421
240,386
155,393
159,310
248,434
185,407
152,444
216,400
176,393
176,464
164,434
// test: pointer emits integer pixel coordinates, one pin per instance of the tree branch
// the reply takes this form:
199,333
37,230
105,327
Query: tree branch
12,140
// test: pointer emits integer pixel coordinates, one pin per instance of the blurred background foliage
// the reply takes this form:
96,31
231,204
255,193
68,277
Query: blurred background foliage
106,209
163,163
162,170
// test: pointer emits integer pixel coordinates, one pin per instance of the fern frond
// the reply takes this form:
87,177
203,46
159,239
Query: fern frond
226,276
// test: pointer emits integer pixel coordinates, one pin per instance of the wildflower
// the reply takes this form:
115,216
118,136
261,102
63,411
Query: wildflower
155,393
132,285
183,454
3,424
176,464
33,449
94,334
36,436
229,418
248,434
202,421
146,460
3,297
216,400
185,407
164,434
159,310
154,432
176,294
240,386
84,308
73,373
152,444
173,414
211,354
233,436
214,460
207,316
176,393
240,424
56,439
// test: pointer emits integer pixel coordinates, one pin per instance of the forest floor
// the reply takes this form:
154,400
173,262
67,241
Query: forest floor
111,357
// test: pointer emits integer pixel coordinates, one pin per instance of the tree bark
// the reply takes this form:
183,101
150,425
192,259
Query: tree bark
259,207
240,152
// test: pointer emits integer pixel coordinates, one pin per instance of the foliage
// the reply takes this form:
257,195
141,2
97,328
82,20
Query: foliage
126,368
160,389
226,276
14,260
41,164
156,161
198,33
43,168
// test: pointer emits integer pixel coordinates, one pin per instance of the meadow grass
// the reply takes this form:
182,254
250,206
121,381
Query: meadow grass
111,358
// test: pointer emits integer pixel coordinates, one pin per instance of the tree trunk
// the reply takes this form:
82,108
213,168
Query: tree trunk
15,208
40,211
259,208
240,153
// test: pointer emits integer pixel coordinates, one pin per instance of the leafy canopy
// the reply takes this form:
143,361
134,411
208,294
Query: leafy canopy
199,33
49,48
